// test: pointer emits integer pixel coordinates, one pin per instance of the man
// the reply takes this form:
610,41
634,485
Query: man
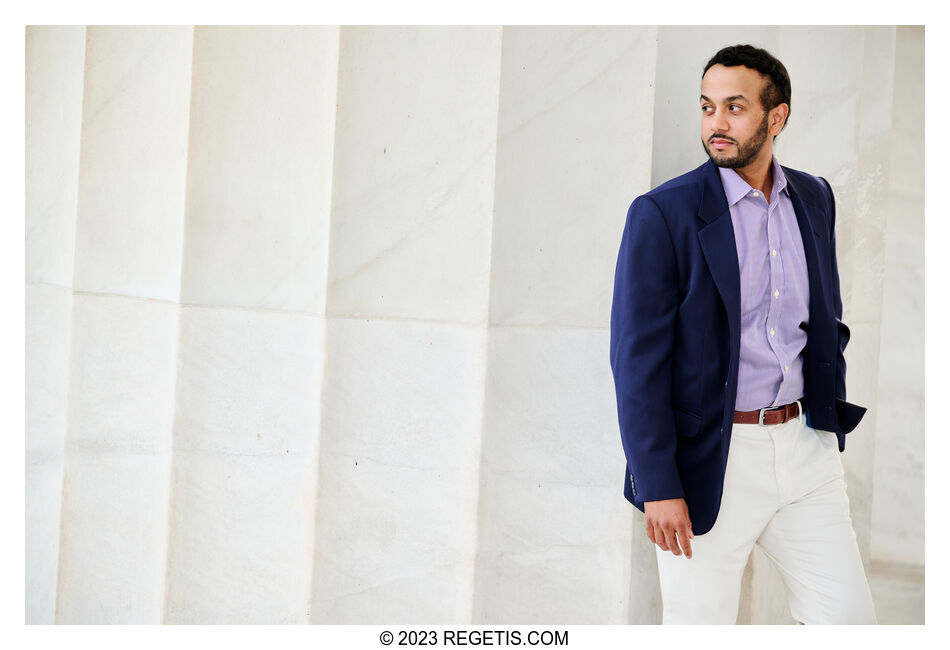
725,330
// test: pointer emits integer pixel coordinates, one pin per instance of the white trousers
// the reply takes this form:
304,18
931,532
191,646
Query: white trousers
784,490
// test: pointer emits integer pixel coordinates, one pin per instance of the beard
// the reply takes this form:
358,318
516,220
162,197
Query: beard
745,151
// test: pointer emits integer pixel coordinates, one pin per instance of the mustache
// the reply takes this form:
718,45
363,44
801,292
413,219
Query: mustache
719,136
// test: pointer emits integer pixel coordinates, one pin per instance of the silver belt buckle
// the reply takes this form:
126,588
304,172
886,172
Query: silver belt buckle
801,411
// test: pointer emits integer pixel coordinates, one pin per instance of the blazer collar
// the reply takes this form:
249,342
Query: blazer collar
714,203
800,194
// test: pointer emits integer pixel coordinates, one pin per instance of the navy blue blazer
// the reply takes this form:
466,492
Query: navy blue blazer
674,336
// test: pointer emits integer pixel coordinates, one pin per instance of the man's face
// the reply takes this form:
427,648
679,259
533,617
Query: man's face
735,125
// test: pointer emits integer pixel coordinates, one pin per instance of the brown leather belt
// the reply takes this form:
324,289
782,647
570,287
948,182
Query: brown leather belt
771,414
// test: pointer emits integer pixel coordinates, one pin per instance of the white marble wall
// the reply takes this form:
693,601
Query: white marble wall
897,512
55,58
123,363
251,346
407,301
317,317
553,541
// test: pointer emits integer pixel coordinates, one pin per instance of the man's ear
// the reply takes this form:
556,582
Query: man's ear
777,117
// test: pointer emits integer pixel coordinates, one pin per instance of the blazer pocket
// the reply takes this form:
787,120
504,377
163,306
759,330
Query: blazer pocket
688,424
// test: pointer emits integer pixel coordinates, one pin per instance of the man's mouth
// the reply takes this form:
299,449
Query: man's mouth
719,143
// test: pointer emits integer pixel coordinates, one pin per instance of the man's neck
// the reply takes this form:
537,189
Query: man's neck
759,175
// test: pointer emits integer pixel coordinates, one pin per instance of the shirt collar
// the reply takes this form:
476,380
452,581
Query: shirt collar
736,188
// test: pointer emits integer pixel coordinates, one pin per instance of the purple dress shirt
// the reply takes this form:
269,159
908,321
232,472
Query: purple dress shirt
773,280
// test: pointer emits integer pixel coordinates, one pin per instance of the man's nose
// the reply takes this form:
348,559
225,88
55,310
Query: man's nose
719,122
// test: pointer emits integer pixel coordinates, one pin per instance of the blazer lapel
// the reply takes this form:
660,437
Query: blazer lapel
718,242
808,216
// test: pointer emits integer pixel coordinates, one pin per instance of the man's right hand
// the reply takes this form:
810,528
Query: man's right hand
667,520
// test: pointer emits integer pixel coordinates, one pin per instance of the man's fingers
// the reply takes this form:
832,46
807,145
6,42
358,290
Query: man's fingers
671,540
668,525
684,534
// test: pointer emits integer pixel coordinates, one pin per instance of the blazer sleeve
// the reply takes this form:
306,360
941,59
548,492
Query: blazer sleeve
642,327
848,415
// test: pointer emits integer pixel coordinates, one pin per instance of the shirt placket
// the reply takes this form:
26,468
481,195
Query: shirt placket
776,287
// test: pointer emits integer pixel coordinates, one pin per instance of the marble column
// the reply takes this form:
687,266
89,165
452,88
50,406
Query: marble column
123,346
554,532
253,288
54,79
407,305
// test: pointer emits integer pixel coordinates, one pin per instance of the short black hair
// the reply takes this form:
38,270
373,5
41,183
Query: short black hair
778,88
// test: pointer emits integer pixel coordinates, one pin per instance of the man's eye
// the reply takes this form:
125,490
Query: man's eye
734,107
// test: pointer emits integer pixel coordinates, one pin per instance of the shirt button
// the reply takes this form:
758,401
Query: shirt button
776,293
786,367
774,253
772,332
755,194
